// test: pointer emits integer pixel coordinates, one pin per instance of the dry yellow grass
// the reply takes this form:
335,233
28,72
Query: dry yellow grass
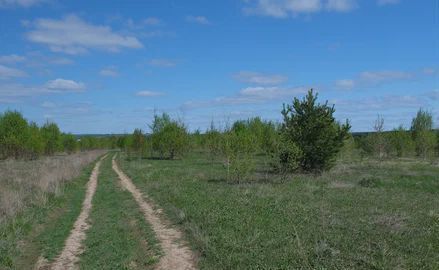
29,182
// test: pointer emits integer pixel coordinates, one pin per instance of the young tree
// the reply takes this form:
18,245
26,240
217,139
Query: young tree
169,137
51,137
313,129
35,145
401,141
378,138
423,134
14,135
69,143
138,142
238,147
213,142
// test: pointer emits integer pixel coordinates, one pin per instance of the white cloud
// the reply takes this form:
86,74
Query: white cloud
7,72
63,85
110,71
387,2
285,8
12,59
162,63
259,78
197,19
20,3
72,35
14,92
345,84
147,93
341,5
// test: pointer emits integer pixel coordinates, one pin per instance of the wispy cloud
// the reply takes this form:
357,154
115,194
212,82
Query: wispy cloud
167,63
197,19
19,3
8,72
73,35
259,78
148,93
345,84
152,21
12,59
110,71
341,5
373,78
387,2
286,8
13,92
48,105
249,95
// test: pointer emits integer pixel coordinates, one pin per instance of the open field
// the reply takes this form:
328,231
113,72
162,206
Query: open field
363,215
369,215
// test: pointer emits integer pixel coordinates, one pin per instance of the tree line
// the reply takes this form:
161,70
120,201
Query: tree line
21,139
309,139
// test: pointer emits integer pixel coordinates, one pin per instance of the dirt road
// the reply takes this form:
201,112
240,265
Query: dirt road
177,255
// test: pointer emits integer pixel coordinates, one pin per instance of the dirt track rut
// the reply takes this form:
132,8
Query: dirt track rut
73,246
177,255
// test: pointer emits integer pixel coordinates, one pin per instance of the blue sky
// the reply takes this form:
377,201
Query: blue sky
106,67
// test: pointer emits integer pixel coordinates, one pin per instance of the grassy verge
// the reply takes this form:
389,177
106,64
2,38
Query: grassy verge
119,237
41,230
358,216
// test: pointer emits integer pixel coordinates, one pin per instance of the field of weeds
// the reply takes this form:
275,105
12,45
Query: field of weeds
24,183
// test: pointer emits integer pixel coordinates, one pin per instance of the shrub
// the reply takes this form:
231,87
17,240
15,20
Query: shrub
169,137
51,137
401,142
35,144
238,147
14,135
350,152
314,130
287,156
213,142
138,142
69,143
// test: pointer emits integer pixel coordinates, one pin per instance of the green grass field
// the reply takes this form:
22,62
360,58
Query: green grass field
360,215
368,215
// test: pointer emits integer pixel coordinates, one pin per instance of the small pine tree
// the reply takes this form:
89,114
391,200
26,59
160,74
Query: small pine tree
314,131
